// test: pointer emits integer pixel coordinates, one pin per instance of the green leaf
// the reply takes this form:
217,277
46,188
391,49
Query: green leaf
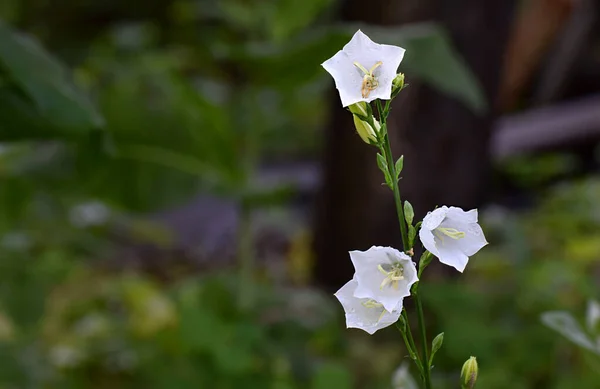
436,344
36,86
382,164
412,233
399,166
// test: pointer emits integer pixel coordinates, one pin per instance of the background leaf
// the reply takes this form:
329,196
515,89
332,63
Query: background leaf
37,99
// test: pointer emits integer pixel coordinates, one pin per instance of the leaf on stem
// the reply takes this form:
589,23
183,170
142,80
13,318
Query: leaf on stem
412,233
399,166
436,344
383,166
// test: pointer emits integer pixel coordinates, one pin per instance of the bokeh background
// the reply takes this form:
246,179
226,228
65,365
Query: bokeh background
180,187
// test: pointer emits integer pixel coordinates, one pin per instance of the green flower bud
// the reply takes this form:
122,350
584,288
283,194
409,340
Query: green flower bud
468,374
366,132
397,84
359,108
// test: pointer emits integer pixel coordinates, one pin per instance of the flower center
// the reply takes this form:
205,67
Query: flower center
369,82
453,233
393,274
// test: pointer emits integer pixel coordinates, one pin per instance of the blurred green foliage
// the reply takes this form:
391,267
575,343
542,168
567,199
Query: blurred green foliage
148,106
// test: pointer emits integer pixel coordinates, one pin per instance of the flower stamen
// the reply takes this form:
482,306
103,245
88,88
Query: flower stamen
369,82
451,232
374,304
391,276
371,304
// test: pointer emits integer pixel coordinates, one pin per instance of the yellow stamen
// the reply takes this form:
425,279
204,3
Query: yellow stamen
371,304
451,232
392,276
369,82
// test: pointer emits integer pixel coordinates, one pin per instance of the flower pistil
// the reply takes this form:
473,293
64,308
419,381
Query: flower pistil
369,82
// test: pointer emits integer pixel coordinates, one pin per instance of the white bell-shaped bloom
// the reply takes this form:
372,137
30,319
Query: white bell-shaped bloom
452,235
363,313
364,70
384,274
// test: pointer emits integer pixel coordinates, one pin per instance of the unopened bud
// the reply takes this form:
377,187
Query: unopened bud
359,108
361,111
365,131
397,84
468,374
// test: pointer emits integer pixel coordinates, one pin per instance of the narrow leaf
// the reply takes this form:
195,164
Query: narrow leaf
399,166
383,166
436,344
412,233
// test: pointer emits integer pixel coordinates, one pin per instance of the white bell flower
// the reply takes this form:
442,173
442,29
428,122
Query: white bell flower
452,235
363,313
364,70
384,274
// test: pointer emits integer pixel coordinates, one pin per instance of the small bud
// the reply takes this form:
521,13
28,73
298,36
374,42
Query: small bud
365,131
409,213
362,117
397,84
468,374
360,108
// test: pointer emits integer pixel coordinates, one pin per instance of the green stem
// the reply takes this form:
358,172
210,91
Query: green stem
386,149
410,345
410,337
425,360
399,208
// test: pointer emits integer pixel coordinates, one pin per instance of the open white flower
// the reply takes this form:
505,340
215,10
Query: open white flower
384,274
452,235
363,313
364,70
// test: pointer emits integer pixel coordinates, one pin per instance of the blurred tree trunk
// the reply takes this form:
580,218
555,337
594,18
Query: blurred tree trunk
445,145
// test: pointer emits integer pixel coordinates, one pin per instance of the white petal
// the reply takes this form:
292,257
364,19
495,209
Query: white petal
369,319
428,241
370,278
434,218
452,256
348,78
473,241
456,213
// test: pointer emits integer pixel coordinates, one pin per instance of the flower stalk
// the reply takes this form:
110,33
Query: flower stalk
386,150
366,72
